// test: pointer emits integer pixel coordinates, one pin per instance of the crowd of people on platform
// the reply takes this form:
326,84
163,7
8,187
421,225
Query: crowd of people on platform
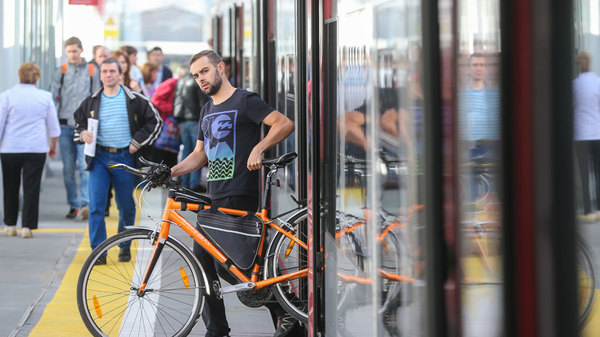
109,110
175,103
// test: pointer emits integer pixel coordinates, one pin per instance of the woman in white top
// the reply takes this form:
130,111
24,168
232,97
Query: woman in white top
27,119
586,101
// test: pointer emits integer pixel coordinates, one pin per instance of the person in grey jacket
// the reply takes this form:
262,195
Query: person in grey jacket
73,82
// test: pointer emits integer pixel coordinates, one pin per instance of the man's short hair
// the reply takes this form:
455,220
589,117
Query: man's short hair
130,50
154,49
29,73
213,57
112,60
583,62
73,40
96,47
476,55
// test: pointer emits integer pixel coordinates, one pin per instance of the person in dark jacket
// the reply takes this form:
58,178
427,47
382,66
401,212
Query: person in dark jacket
189,99
163,101
126,122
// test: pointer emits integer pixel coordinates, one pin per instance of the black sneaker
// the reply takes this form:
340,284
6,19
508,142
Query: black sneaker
124,255
101,261
285,324
72,213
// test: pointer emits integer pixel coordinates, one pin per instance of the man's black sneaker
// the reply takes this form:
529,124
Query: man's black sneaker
124,255
101,261
72,213
285,324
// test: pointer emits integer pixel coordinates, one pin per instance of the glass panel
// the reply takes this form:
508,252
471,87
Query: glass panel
285,57
249,61
397,166
586,90
356,295
380,288
478,128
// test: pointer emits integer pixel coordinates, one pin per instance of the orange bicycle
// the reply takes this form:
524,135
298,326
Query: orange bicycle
161,290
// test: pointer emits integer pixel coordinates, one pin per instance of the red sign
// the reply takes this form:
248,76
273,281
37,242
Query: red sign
83,2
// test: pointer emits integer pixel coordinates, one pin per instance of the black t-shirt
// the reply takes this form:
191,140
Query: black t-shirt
230,131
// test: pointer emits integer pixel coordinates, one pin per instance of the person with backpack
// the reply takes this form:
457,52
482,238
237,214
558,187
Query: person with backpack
73,81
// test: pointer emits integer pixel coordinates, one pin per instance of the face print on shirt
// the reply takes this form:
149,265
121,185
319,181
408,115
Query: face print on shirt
219,144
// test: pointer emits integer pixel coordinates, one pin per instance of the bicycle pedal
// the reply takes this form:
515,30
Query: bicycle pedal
246,286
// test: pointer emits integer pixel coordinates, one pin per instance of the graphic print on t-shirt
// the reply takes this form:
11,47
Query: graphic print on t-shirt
219,144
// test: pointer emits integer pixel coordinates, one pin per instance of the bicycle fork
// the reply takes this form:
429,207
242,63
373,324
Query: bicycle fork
159,244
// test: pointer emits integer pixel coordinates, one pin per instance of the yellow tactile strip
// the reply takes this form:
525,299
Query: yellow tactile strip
61,316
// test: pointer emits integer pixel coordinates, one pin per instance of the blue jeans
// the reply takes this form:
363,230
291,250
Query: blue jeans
189,137
73,159
123,183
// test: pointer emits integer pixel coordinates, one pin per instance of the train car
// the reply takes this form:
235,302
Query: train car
436,155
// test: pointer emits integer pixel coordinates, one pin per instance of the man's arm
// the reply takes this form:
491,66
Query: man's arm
55,86
194,161
149,121
281,127
81,117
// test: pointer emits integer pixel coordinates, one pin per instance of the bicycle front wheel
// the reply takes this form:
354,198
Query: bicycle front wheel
586,282
286,256
107,293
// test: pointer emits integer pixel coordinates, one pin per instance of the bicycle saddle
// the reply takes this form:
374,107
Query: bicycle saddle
280,161
185,195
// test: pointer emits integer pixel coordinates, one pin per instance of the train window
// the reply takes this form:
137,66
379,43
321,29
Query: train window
586,120
477,165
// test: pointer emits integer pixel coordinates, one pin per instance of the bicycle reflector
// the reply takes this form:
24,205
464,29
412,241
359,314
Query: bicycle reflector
184,277
289,248
97,307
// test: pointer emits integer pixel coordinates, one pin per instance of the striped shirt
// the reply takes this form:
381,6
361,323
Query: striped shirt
479,114
113,122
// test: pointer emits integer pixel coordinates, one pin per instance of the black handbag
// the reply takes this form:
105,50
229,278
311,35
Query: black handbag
238,237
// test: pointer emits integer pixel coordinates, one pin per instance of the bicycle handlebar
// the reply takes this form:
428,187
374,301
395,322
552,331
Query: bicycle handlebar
156,175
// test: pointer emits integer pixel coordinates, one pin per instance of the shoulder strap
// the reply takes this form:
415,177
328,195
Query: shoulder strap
62,78
91,72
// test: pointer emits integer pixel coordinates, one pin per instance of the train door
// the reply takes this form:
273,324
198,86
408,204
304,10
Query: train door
372,141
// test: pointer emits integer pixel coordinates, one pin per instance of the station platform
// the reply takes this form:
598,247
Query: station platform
39,275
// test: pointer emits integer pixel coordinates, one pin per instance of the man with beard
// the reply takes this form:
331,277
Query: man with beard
229,142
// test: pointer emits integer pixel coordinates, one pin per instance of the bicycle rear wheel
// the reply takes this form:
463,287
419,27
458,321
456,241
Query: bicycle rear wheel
285,256
107,293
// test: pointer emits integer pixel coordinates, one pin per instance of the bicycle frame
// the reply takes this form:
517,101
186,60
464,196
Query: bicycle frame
171,215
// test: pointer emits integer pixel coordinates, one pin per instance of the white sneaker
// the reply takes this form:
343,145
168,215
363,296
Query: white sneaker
11,230
84,213
26,233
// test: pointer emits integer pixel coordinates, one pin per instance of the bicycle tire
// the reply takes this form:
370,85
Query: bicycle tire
396,259
107,294
285,257
586,282
350,262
